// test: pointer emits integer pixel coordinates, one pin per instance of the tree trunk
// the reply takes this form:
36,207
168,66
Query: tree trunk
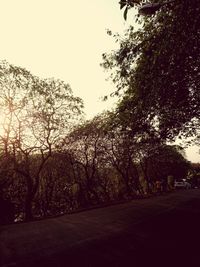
28,207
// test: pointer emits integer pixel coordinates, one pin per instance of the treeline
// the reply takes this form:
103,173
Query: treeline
53,162
94,164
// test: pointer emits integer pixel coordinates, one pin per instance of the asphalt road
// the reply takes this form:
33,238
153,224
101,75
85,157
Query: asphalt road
159,231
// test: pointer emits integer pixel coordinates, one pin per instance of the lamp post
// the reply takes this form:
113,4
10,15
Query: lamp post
150,8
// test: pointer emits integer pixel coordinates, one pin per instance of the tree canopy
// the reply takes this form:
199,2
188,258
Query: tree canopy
157,67
35,115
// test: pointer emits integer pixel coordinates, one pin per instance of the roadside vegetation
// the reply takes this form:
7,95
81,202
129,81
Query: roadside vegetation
52,161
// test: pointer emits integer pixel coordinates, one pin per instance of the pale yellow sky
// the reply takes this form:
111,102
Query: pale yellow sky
193,153
64,39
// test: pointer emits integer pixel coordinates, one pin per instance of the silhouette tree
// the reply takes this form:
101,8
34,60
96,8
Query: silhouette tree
36,115
157,70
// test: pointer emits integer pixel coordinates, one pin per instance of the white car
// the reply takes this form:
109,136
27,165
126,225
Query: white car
182,184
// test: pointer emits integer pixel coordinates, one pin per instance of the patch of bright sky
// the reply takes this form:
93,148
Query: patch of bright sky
63,39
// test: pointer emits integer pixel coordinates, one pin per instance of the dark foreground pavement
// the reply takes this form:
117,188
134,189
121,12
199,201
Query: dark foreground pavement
160,231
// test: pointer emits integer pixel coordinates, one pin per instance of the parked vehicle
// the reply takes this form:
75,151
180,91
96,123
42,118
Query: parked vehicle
182,184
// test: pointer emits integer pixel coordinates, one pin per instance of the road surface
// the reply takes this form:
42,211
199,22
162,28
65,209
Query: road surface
159,231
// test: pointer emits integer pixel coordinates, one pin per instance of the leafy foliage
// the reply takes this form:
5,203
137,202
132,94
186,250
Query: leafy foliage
167,160
128,4
158,69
